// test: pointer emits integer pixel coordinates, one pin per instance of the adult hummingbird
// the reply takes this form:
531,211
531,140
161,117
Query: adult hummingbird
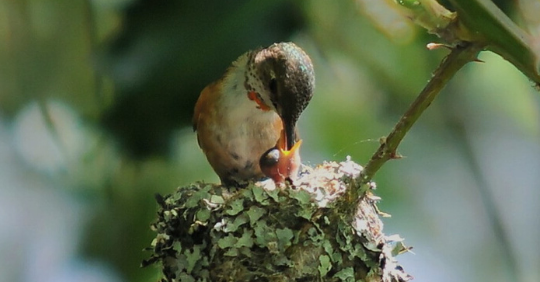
247,118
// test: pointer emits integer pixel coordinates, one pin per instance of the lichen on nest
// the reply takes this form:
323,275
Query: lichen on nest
309,231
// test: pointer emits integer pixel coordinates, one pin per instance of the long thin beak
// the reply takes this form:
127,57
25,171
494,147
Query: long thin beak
290,135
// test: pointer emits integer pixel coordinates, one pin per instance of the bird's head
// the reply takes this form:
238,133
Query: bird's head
281,78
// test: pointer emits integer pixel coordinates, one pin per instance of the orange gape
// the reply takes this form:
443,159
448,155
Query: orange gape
280,164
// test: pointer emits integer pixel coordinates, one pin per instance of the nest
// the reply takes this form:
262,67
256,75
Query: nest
315,230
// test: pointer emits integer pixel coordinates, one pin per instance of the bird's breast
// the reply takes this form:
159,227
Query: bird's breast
235,134
248,137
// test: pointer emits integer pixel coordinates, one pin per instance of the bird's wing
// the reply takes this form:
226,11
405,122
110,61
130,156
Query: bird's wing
203,103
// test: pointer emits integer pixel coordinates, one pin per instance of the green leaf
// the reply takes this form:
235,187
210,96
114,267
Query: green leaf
324,265
247,193
177,246
246,240
227,242
274,194
281,259
306,213
194,200
232,226
181,262
217,199
254,213
259,194
235,207
284,237
203,215
263,234
192,257
186,277
346,274
328,249
232,252
302,196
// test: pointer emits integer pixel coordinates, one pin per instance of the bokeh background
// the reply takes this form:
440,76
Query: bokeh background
96,99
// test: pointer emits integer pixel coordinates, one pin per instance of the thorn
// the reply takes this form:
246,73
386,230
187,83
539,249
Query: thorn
396,156
433,46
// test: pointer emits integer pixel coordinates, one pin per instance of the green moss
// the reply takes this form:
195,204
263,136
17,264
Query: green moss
306,232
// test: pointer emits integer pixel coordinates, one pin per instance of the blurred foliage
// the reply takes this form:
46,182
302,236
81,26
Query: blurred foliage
96,99
167,51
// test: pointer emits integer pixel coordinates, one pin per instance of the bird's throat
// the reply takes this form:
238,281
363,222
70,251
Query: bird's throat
254,96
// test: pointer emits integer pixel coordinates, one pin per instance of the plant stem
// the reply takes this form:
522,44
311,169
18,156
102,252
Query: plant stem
458,57
500,34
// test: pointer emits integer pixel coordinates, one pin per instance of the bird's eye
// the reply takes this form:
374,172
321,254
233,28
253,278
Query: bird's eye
273,86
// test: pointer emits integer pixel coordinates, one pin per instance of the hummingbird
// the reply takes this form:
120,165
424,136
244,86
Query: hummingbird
246,120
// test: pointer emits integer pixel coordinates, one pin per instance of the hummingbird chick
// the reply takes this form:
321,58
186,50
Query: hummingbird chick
252,109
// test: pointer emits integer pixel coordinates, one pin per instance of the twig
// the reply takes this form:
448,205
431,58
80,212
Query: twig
487,23
458,57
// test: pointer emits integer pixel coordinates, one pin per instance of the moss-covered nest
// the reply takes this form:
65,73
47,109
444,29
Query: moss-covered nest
309,231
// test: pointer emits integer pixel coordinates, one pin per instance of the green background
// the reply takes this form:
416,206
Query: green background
96,99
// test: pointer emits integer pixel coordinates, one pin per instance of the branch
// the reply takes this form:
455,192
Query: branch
500,34
479,22
458,57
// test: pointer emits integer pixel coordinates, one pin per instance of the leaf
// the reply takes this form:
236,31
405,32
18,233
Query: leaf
215,199
306,213
274,194
302,196
235,207
232,226
192,257
246,240
186,277
203,215
284,236
194,200
264,234
259,195
181,262
324,265
328,249
227,242
232,252
254,213
346,274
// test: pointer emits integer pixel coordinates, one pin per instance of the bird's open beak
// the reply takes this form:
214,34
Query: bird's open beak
281,163
286,143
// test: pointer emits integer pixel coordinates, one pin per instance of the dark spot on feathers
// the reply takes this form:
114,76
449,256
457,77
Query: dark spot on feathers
248,166
234,155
